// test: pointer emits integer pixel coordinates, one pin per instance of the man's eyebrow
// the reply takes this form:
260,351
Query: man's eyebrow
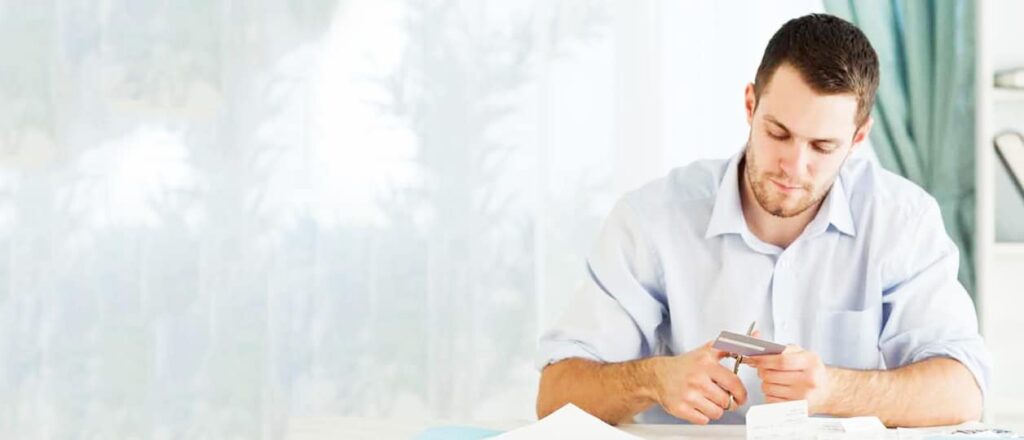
771,119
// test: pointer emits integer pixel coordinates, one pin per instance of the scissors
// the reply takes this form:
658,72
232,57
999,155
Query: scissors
739,360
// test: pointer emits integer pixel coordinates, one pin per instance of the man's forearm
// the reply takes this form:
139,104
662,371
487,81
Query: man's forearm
612,392
937,391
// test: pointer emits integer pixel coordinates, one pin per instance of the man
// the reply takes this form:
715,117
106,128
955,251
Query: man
847,263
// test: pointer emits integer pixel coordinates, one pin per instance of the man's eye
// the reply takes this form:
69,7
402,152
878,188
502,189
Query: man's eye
778,136
828,149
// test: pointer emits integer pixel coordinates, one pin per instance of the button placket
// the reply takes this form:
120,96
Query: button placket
782,296
777,297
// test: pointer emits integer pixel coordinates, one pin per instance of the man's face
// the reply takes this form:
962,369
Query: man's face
798,142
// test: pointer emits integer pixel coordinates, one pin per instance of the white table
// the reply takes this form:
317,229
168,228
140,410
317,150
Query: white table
356,428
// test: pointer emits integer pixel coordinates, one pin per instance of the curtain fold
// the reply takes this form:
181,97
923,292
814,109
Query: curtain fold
924,110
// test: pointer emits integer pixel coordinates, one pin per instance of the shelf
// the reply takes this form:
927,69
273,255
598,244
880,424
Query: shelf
1007,95
1009,249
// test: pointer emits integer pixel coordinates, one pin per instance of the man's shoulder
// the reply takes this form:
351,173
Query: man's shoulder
695,183
872,188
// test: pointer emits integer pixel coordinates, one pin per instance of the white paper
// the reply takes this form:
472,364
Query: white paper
966,430
852,428
778,421
850,425
862,424
568,422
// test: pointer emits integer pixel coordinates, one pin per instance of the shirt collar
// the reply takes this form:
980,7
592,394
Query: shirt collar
835,211
727,213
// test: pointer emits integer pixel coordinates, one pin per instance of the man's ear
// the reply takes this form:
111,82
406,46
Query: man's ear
750,103
862,132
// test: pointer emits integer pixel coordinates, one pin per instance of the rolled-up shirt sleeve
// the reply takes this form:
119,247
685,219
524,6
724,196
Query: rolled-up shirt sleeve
614,316
926,311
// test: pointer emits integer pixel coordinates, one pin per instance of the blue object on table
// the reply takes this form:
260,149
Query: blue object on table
456,433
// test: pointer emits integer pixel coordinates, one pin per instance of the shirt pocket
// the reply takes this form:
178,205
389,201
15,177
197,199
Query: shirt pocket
849,338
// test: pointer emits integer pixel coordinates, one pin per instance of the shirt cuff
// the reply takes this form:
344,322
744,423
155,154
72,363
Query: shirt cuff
555,351
977,365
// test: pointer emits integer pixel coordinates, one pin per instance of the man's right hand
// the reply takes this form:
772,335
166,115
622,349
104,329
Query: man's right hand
694,386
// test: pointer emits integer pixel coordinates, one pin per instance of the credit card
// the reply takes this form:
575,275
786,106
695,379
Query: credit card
744,345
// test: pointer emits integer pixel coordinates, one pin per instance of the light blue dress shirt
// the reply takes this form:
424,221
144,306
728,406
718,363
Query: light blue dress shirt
871,283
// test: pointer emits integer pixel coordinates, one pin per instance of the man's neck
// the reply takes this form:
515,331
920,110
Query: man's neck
778,231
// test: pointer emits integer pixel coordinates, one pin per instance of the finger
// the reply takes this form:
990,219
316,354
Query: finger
725,379
756,334
790,349
781,377
718,354
766,361
689,414
709,408
716,394
780,391
783,362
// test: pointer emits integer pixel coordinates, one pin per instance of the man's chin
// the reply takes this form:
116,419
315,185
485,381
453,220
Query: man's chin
783,210
784,215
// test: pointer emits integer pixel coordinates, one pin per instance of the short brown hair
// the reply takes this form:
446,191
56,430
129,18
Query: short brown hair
832,55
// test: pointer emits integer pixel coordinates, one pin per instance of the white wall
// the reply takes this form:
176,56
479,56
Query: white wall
1004,298
217,214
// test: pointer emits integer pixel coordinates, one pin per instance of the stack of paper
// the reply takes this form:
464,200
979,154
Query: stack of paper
789,420
778,421
568,422
849,428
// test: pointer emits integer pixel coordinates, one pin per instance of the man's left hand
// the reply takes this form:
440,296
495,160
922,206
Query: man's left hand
795,374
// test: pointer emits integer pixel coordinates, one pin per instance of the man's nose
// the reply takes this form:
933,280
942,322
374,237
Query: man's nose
793,160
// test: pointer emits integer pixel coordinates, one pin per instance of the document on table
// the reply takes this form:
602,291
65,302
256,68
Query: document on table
852,428
778,421
967,430
568,422
850,425
789,420
774,421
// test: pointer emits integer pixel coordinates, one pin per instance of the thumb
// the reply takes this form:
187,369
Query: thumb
719,354
792,348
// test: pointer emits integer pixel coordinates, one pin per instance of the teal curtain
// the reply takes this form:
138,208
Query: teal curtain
924,110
